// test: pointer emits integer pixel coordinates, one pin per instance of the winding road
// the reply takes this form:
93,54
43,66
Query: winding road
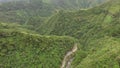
66,63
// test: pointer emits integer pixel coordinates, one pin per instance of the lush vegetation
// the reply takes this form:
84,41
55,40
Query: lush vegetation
32,13
39,37
98,30
23,49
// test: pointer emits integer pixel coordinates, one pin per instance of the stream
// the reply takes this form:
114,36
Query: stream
66,63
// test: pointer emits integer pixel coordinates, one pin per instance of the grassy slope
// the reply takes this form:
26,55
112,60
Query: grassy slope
21,49
98,30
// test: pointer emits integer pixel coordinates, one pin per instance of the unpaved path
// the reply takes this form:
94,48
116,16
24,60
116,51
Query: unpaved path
68,59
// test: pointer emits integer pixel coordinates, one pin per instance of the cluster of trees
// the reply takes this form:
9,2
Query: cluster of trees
23,49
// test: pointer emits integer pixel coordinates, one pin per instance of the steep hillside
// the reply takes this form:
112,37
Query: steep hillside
98,30
22,49
98,21
35,12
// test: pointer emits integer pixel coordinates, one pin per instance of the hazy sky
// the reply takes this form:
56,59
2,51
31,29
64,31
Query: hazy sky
8,0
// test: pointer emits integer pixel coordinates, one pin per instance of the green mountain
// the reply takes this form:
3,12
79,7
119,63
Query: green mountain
41,38
31,13
35,12
62,21
98,30
21,49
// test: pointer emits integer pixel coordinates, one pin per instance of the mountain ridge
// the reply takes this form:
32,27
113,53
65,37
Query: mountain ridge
44,45
97,30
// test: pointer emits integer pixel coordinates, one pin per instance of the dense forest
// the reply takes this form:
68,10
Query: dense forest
44,33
